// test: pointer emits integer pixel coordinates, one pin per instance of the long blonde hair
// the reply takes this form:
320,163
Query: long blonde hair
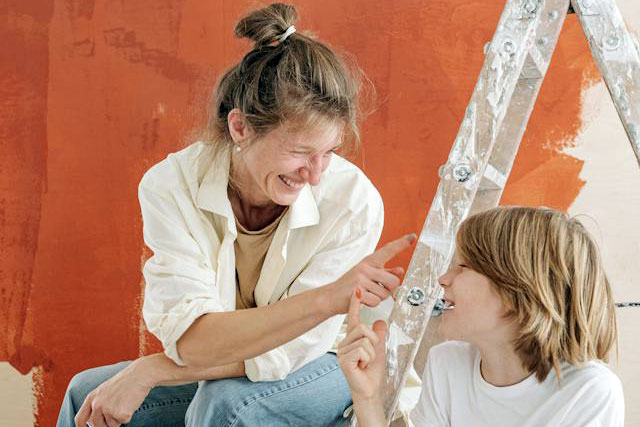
547,269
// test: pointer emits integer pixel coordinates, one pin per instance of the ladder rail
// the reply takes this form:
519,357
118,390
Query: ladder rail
511,131
617,57
485,147
513,61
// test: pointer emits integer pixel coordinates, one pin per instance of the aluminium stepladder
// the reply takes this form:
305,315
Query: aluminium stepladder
483,152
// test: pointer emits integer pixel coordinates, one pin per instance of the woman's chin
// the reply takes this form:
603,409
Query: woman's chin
284,199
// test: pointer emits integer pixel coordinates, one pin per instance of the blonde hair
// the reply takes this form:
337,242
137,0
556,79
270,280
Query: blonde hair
547,269
299,81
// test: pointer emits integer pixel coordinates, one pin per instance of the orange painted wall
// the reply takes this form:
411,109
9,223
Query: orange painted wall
94,92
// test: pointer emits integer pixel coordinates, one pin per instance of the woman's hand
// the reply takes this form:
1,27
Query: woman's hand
114,401
376,282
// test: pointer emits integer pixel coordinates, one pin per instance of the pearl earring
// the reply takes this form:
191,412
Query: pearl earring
238,149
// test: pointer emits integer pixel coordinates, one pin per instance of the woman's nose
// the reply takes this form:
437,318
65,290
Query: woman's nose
313,170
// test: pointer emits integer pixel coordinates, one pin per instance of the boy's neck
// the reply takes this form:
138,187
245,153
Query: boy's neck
501,366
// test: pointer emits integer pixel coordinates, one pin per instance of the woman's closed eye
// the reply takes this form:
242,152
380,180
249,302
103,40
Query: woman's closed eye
300,153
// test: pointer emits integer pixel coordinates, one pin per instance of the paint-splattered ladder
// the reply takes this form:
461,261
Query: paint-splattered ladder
480,160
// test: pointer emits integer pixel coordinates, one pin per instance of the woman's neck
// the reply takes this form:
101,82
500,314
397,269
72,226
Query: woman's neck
251,207
252,217
500,365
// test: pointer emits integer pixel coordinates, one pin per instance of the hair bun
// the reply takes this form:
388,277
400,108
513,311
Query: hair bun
265,25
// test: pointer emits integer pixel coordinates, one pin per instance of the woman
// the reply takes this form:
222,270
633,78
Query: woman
258,241
532,320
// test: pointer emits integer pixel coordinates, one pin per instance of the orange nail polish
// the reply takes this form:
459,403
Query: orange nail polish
358,293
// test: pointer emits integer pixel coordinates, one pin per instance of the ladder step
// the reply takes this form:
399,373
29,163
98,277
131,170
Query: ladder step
492,179
535,65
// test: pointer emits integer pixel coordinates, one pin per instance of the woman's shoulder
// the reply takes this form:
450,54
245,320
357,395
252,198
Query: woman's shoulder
179,169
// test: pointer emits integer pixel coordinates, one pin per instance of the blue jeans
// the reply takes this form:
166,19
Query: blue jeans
315,395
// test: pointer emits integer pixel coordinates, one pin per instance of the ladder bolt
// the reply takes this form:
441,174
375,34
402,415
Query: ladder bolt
509,47
530,7
586,3
553,15
416,296
462,172
611,42
541,41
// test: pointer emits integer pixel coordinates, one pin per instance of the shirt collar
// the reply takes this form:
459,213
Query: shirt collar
212,193
304,211
212,196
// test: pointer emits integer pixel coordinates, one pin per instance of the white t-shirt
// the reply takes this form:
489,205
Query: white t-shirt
455,394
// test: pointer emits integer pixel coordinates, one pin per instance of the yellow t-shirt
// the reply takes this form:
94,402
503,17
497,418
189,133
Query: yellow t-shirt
251,249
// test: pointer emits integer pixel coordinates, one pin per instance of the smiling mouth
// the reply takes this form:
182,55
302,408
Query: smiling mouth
290,183
441,306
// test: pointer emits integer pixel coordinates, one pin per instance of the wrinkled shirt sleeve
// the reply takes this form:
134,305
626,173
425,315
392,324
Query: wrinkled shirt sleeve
180,280
357,238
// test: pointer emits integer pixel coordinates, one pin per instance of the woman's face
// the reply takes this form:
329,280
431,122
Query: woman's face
279,164
478,316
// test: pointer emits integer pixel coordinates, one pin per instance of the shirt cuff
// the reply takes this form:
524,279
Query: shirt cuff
171,326
273,365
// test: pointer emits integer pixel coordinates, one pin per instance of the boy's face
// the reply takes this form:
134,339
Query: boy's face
478,316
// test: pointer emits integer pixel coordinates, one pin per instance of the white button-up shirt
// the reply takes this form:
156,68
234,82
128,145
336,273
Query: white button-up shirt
190,227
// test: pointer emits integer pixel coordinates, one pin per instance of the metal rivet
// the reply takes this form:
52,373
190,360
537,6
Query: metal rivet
541,41
611,42
530,7
462,172
586,3
617,90
553,15
416,296
509,47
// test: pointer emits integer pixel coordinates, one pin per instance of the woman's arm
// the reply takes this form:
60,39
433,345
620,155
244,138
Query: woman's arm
116,399
160,370
223,338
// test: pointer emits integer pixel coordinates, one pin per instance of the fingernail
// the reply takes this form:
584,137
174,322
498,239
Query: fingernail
412,238
358,293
